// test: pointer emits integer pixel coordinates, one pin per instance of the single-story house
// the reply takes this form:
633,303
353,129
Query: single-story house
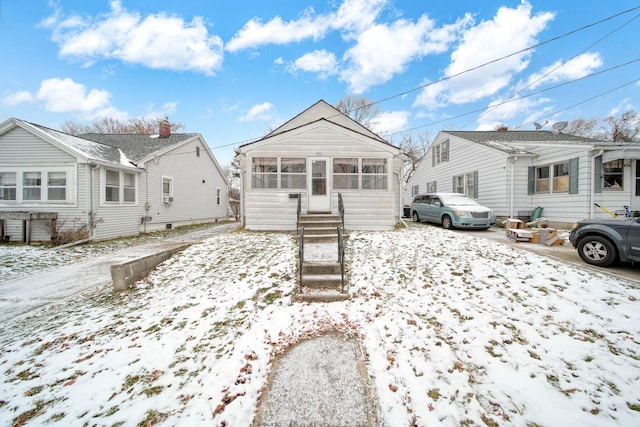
110,185
314,159
513,172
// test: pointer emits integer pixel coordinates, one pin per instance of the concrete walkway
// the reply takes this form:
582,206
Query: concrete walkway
25,294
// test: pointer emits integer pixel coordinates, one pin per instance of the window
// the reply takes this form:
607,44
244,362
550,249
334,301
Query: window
264,172
112,186
441,152
612,173
561,177
56,186
374,174
7,186
432,186
466,184
415,190
293,173
197,151
542,179
345,174
637,179
119,187
31,185
167,189
218,195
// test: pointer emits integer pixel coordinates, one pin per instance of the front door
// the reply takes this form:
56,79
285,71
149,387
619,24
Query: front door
319,198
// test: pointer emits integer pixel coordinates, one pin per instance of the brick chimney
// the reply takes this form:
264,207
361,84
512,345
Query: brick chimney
165,128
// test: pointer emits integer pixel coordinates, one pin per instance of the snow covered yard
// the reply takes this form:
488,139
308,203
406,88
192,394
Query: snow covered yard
456,330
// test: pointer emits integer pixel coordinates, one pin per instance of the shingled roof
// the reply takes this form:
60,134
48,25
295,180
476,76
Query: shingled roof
521,136
138,147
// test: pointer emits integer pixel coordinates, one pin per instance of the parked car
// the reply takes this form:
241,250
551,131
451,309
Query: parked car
604,242
452,210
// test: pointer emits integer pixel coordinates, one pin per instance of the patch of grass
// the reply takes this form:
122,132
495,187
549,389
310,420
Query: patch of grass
533,355
152,418
634,406
152,391
27,416
434,394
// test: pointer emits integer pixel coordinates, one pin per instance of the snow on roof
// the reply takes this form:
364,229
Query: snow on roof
136,146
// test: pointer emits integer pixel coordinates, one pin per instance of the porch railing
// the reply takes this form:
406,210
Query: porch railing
299,210
341,208
300,256
341,255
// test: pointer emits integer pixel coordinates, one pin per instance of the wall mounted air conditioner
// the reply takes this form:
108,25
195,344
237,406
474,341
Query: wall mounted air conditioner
167,199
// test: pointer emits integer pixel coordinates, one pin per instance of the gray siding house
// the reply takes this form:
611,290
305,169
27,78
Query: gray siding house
121,184
313,158
513,172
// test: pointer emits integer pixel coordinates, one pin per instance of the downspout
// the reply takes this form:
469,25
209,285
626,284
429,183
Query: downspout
592,192
91,213
511,184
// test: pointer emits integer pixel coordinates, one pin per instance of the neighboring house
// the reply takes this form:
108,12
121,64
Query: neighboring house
318,155
121,184
513,172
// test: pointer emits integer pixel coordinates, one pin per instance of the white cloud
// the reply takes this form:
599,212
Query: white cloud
389,122
383,50
498,113
17,98
159,41
576,68
262,112
511,30
66,96
320,61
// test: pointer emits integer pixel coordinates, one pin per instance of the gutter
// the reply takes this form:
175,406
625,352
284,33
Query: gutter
511,185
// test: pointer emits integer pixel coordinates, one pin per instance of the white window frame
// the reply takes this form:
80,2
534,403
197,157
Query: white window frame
290,174
264,171
378,177
218,196
441,152
465,184
43,185
432,187
9,187
415,190
167,196
120,188
345,173
613,178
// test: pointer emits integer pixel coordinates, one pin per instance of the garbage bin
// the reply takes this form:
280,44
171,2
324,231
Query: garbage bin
407,212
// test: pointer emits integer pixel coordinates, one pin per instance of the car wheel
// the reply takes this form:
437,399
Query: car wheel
416,218
596,250
446,222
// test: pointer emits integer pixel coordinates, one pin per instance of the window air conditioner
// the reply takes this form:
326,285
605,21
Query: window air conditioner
167,199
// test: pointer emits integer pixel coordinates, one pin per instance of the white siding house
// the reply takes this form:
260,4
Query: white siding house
120,184
313,158
513,172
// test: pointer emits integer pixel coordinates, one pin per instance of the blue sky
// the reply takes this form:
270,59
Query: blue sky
232,70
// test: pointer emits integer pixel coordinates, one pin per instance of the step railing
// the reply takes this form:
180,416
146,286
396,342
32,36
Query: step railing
341,255
341,208
301,256
299,210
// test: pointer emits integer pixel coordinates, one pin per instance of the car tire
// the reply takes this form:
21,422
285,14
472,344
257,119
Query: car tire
446,222
415,217
598,251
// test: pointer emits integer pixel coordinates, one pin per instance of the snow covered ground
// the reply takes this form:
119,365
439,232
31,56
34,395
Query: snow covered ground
456,330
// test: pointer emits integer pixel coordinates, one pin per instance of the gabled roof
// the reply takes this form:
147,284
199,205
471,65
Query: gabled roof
322,111
525,136
76,146
139,147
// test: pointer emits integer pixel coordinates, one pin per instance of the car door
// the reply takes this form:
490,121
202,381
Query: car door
435,208
633,240
420,207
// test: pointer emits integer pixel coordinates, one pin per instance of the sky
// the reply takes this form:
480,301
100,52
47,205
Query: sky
232,72
457,330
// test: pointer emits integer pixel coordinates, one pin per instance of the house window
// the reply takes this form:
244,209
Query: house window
31,185
167,189
561,177
612,173
119,186
345,174
637,178
112,186
432,186
465,184
197,151
218,195
542,179
415,190
374,174
264,172
441,152
56,186
293,172
7,186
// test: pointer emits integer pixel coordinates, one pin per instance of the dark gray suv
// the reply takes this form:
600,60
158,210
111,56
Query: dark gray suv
604,242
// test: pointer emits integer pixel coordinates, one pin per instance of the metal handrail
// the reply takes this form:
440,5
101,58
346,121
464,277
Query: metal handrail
341,255
341,208
299,210
301,256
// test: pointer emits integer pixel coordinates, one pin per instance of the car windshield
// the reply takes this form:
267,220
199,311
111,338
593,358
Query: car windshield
458,200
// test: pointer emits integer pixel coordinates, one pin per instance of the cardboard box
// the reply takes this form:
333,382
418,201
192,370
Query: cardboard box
519,235
513,223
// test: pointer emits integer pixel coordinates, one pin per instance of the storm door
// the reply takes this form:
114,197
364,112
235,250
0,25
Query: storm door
320,196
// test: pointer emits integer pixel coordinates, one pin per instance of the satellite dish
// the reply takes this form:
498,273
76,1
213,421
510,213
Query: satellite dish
559,126
539,126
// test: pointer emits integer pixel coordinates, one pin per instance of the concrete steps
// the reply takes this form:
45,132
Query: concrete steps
321,274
